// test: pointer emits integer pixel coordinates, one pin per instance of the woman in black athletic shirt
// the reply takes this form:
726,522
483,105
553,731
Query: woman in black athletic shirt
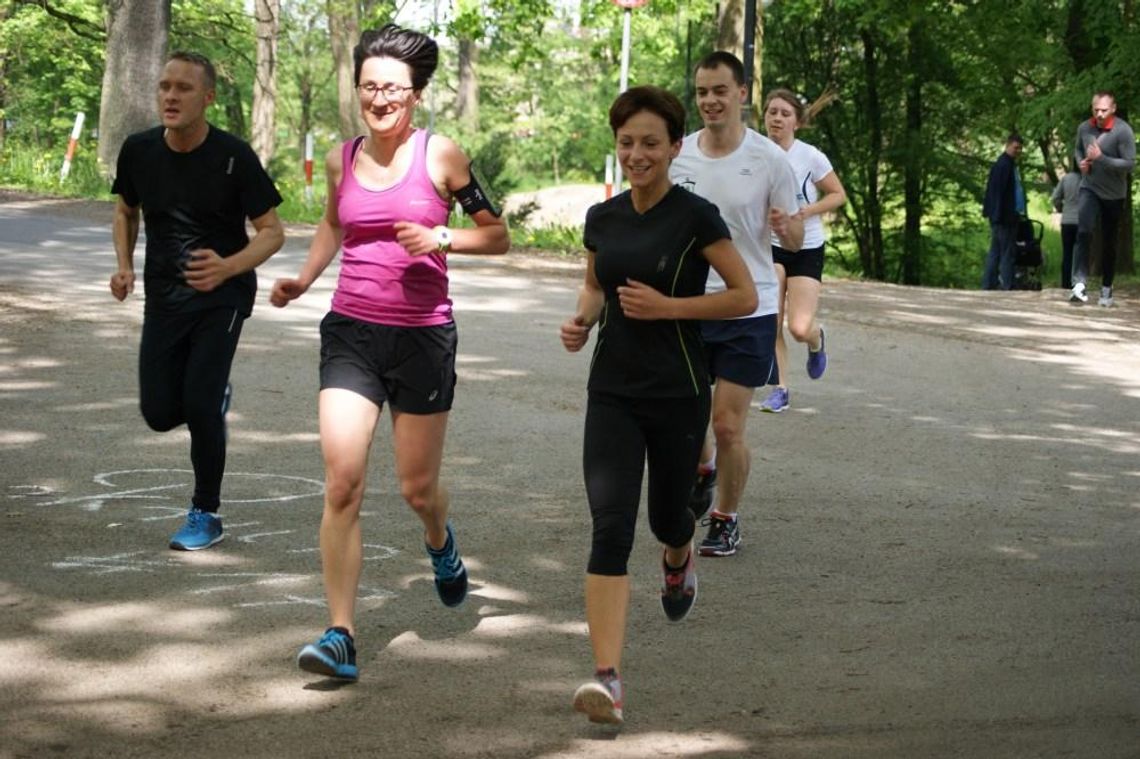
648,394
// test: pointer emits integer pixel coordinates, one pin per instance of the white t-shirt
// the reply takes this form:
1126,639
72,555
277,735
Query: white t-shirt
743,185
810,165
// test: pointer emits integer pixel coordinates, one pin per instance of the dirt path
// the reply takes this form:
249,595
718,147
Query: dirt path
939,552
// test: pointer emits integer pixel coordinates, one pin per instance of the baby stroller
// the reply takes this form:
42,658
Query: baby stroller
1029,259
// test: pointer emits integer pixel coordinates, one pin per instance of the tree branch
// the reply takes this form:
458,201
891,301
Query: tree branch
79,25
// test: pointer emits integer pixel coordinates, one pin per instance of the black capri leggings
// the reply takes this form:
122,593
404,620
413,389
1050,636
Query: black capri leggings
184,365
621,434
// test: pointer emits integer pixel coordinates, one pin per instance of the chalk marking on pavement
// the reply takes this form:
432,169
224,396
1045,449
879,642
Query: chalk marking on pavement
32,490
102,565
252,537
364,595
264,578
97,501
383,552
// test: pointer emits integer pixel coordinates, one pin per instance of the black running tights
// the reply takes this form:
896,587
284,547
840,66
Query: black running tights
184,365
622,434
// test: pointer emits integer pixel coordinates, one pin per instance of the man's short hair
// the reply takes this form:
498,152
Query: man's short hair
723,58
208,72
1014,137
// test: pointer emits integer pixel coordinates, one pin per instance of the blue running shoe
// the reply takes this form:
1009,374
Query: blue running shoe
817,360
776,401
334,655
202,530
450,574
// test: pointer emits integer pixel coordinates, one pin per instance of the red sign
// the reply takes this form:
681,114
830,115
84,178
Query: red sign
629,4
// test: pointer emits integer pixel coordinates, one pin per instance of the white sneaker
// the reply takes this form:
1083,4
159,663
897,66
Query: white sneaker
1078,294
1105,297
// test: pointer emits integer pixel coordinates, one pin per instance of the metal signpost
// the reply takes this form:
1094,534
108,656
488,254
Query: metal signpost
628,6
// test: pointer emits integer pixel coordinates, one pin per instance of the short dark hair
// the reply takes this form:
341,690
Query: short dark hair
1014,137
653,99
724,58
414,48
208,71
1105,94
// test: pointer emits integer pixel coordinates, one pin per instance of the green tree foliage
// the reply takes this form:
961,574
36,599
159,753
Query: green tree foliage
41,96
926,92
547,78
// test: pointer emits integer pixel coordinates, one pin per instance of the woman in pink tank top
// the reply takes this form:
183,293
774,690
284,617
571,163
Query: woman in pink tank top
389,337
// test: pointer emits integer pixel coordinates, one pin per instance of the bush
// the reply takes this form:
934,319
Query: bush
37,170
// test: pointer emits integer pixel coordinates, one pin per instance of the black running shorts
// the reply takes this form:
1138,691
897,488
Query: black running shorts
806,263
411,368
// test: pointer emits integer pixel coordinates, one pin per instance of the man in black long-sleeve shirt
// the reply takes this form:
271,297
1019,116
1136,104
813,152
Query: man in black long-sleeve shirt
1004,206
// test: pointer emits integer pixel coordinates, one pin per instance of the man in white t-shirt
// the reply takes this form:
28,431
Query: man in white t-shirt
749,179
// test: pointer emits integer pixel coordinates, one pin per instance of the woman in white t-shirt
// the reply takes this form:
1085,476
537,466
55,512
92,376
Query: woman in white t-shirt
819,191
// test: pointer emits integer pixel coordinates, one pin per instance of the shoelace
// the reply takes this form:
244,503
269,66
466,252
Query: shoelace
719,527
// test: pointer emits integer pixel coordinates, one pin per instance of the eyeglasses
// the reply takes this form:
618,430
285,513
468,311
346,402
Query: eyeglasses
389,91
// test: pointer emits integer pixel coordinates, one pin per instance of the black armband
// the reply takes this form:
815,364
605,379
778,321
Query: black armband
473,198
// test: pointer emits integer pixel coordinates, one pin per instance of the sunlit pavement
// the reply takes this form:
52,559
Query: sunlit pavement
939,554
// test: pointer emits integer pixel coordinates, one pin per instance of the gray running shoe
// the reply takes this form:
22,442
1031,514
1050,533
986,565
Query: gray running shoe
601,700
679,592
723,536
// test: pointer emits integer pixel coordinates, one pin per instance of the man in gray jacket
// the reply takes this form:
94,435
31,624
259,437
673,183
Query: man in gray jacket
1106,152
1065,197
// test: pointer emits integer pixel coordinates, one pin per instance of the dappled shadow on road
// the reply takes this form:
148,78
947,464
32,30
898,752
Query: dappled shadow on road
1035,326
935,535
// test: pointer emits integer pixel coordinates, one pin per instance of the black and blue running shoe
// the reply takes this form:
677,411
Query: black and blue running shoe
334,655
450,574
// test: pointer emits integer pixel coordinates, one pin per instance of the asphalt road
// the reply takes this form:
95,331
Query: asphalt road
940,552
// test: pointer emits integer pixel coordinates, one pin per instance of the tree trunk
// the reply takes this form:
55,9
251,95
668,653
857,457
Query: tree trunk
263,116
5,11
467,89
912,169
730,27
137,32
344,33
229,100
1125,255
871,246
730,37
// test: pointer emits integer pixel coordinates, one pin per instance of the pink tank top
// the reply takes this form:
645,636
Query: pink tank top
379,281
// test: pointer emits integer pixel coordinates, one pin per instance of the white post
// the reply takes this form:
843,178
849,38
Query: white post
626,16
71,143
308,168
609,175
